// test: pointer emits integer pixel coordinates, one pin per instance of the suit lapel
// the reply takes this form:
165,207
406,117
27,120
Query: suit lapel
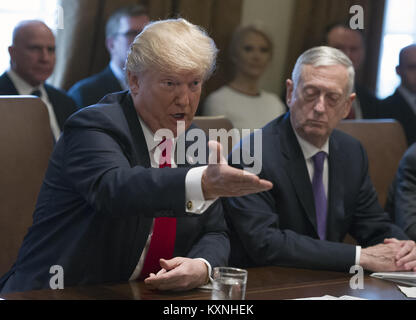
140,156
6,85
297,170
140,152
111,81
335,189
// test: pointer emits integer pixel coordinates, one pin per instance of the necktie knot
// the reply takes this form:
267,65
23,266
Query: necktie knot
165,147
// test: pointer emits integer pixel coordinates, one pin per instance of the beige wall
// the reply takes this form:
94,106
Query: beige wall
275,15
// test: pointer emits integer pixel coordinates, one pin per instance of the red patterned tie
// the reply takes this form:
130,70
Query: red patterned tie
164,230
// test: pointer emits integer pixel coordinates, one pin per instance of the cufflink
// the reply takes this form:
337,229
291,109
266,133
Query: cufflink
189,205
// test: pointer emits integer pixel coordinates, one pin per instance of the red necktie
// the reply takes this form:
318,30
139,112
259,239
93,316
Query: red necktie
164,230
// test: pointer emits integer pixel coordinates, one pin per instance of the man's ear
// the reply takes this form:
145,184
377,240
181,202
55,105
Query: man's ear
398,71
133,81
289,91
348,105
109,44
11,52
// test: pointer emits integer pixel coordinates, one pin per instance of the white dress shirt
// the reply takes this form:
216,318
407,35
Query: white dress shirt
309,150
194,198
24,88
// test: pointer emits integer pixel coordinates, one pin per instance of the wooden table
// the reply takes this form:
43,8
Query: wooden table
266,283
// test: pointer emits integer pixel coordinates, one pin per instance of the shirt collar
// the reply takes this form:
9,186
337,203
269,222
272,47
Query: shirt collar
410,97
22,87
151,140
119,74
308,149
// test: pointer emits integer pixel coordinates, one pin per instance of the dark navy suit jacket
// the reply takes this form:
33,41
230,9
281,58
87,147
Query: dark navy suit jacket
278,227
89,91
62,104
396,107
97,202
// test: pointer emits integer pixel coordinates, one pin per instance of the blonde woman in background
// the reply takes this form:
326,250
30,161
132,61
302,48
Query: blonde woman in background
242,100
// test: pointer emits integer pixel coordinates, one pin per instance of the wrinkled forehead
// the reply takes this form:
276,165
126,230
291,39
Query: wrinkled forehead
331,77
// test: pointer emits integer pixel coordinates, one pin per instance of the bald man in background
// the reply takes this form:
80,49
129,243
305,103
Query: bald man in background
351,42
32,61
402,104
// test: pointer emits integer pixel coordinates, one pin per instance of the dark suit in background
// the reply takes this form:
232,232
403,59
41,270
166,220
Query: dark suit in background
89,91
98,200
396,107
401,202
278,227
62,104
369,104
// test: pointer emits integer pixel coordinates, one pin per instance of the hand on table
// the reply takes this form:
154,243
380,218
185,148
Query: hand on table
179,274
392,255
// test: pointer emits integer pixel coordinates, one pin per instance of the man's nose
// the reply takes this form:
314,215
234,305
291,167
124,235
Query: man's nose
320,104
182,95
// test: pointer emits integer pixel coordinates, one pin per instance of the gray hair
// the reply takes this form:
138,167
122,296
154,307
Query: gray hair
170,46
113,23
324,56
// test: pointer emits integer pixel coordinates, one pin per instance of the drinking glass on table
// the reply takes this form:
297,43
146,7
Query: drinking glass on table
229,283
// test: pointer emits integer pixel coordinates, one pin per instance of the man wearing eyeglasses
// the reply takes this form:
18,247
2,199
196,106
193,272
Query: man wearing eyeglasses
121,29
321,187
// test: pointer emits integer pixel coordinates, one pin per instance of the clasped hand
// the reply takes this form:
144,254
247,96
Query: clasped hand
392,255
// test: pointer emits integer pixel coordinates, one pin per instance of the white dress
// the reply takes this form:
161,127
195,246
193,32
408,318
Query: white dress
244,111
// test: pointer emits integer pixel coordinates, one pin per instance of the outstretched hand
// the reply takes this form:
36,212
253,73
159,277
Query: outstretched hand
221,180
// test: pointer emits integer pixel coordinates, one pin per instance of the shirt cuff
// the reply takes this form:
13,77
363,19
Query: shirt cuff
194,197
357,255
209,269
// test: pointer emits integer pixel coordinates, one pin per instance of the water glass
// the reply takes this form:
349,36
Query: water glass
229,283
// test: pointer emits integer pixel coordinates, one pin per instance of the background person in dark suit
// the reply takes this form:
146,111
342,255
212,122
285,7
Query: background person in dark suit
322,189
402,196
32,60
105,198
351,42
402,104
121,29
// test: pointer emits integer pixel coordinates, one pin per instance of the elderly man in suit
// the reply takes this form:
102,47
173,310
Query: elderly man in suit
402,104
32,60
321,187
116,204
121,29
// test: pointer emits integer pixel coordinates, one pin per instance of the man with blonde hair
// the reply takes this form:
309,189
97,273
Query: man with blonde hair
115,204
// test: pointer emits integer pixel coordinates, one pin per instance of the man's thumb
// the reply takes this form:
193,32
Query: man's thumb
215,153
